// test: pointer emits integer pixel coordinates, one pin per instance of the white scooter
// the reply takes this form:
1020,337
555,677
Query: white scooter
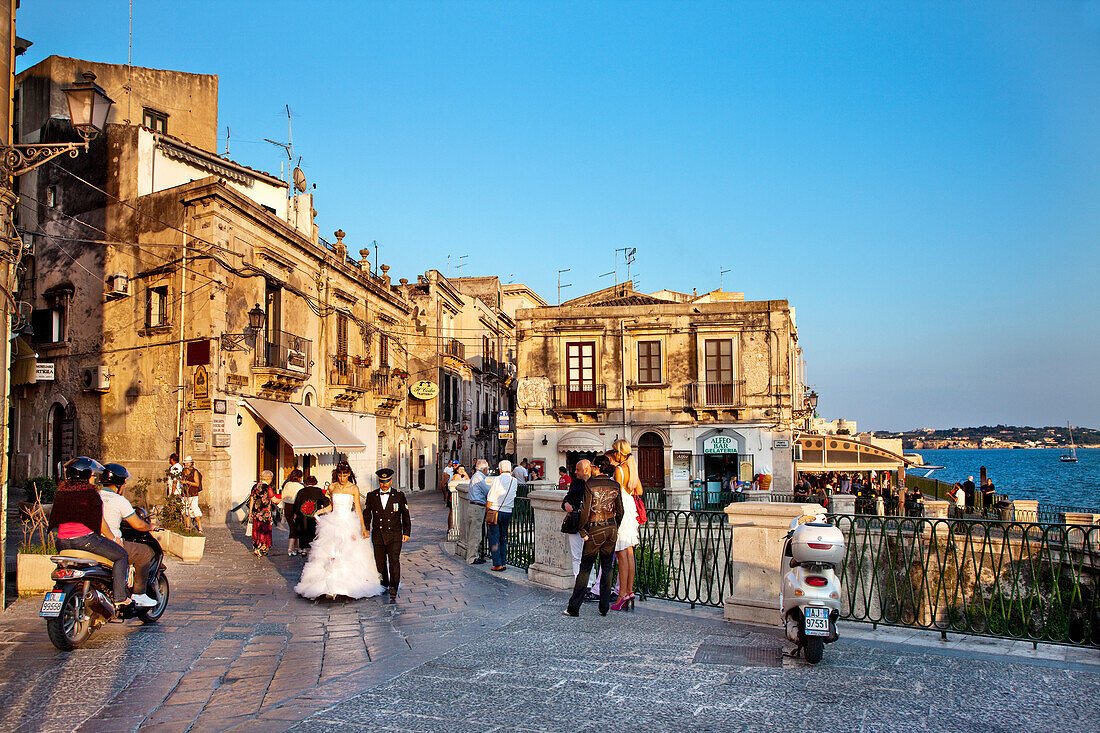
809,595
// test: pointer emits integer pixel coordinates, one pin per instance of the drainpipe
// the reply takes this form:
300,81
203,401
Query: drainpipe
179,375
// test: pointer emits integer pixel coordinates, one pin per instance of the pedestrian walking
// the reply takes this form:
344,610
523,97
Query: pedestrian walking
477,494
309,500
563,479
190,482
261,503
519,473
601,514
289,491
389,526
498,513
968,492
175,468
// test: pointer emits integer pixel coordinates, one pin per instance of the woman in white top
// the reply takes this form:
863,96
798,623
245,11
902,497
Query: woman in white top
502,496
626,475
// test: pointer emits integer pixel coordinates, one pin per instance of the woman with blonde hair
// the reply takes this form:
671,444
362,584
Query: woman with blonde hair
626,475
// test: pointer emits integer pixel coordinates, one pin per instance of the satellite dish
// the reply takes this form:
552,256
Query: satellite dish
299,180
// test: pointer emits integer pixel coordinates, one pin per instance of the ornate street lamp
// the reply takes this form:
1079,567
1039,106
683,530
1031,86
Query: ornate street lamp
811,402
89,106
246,340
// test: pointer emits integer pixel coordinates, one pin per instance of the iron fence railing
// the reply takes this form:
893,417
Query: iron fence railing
654,498
684,556
286,351
521,532
1016,580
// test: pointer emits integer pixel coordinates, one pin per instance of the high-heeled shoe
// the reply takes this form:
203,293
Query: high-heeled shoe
623,604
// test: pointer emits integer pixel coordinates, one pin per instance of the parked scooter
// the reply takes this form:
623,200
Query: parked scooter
809,595
82,598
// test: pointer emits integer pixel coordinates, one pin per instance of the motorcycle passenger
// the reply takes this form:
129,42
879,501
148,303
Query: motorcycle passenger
115,509
77,516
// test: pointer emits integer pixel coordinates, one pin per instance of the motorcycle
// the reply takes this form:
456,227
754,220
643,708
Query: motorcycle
809,595
82,598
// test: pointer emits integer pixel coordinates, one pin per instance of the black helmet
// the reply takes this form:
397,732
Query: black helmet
81,468
114,474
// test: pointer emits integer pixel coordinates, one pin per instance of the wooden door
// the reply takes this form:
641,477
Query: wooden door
651,461
580,367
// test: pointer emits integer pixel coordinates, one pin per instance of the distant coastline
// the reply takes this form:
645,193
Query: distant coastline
987,437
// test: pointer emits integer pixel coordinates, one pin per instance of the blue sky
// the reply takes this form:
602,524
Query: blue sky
922,182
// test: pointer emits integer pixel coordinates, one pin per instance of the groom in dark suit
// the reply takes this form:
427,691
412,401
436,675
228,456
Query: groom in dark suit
386,516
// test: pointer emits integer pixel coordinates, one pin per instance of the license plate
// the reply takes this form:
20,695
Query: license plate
51,605
817,621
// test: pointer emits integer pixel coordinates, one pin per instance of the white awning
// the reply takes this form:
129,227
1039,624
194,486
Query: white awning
343,440
580,440
302,437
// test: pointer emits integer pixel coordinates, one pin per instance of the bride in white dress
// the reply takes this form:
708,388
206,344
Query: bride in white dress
341,559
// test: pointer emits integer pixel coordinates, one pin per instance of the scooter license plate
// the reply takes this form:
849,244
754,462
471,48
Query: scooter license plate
817,621
51,605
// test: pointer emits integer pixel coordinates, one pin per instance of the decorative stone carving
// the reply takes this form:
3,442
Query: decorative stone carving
533,393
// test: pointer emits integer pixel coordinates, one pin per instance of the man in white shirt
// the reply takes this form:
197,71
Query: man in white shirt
519,473
116,509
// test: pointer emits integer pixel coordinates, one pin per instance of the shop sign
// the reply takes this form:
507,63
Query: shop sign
506,436
237,380
425,389
44,372
296,360
720,444
681,465
504,421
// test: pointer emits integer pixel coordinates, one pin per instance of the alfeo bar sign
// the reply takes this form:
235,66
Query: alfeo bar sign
425,389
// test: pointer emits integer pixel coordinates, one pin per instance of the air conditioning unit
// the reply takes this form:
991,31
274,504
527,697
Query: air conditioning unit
118,286
97,379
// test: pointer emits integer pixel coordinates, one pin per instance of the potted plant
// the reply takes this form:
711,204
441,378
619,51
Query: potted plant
33,566
38,490
175,537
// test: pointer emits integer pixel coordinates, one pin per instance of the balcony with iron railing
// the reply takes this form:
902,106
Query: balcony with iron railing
715,395
350,372
580,397
455,348
286,353
384,383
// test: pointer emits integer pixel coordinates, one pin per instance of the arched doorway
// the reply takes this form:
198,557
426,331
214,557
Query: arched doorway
651,460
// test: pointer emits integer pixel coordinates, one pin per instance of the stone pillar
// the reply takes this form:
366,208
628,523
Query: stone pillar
842,504
678,498
460,504
758,532
553,563
936,509
880,506
751,495
1025,510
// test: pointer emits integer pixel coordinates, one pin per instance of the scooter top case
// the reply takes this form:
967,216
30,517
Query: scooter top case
818,543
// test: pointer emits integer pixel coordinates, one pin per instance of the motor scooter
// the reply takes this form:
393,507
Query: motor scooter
809,594
82,598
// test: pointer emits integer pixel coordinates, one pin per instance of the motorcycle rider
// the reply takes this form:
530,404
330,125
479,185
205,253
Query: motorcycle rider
77,517
116,509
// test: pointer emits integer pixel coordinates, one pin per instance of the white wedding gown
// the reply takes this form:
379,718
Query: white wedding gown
341,562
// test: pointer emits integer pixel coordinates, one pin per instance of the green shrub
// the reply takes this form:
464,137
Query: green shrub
171,517
651,576
45,487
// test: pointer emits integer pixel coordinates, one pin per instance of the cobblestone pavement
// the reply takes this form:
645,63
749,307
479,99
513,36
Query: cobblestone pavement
465,649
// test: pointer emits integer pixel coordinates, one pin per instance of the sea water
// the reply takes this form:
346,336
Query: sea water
1024,474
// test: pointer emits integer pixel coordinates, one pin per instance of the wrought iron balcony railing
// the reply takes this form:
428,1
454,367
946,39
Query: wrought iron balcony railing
715,394
349,371
455,348
585,397
285,351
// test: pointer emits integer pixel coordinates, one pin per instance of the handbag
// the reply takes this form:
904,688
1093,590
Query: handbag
572,522
248,530
491,517
640,506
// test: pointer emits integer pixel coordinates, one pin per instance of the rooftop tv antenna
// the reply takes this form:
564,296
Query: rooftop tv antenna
461,263
288,147
560,286
721,276
628,257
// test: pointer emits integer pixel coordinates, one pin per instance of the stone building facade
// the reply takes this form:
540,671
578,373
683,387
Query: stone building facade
149,258
704,387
